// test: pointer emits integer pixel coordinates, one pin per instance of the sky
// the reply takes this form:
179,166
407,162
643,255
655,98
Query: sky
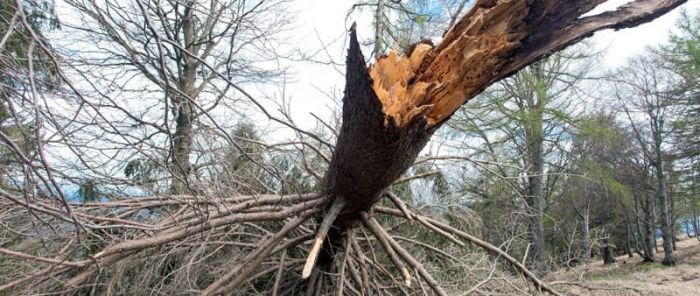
323,24
315,84
318,39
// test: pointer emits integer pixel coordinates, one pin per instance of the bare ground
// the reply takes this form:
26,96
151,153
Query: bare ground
630,276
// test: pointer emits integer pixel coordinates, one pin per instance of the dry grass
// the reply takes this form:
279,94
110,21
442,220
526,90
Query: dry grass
630,276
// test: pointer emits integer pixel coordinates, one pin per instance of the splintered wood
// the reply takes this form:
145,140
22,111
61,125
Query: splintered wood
433,82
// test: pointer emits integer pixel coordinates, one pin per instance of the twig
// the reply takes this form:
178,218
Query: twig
440,231
408,258
278,276
484,245
400,204
376,230
344,264
237,275
44,259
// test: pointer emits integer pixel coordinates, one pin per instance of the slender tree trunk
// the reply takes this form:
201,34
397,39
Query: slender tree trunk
378,29
628,244
536,202
455,15
586,256
608,253
666,215
673,217
184,117
638,233
695,223
692,205
637,245
649,227
666,225
634,229
656,244
182,145
655,220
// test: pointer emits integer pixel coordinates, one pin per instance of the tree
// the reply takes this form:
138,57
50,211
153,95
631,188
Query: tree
681,56
15,72
530,113
390,111
647,92
601,154
163,47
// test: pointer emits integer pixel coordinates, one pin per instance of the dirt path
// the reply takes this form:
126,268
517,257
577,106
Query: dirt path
629,276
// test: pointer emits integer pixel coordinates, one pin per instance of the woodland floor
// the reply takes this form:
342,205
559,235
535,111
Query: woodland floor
630,276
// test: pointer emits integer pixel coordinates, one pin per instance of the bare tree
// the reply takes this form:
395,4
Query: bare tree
155,51
648,94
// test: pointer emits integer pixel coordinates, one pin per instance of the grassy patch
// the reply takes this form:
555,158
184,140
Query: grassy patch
617,273
646,267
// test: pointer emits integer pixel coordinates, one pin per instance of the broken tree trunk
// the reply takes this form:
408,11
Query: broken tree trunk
391,109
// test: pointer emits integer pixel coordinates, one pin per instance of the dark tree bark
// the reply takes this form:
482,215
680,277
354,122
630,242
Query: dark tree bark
586,237
666,216
608,253
378,29
695,223
645,226
650,227
694,207
369,154
184,115
534,147
628,242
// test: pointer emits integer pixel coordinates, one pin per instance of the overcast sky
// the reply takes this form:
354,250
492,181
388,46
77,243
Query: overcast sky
322,24
320,30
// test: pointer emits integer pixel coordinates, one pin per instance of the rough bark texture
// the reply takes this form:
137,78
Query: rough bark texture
649,229
630,239
608,253
369,154
534,145
182,138
378,28
666,222
695,223
695,209
391,110
181,148
644,228
586,238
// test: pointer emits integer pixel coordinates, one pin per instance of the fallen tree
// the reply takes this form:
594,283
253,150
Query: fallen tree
390,111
